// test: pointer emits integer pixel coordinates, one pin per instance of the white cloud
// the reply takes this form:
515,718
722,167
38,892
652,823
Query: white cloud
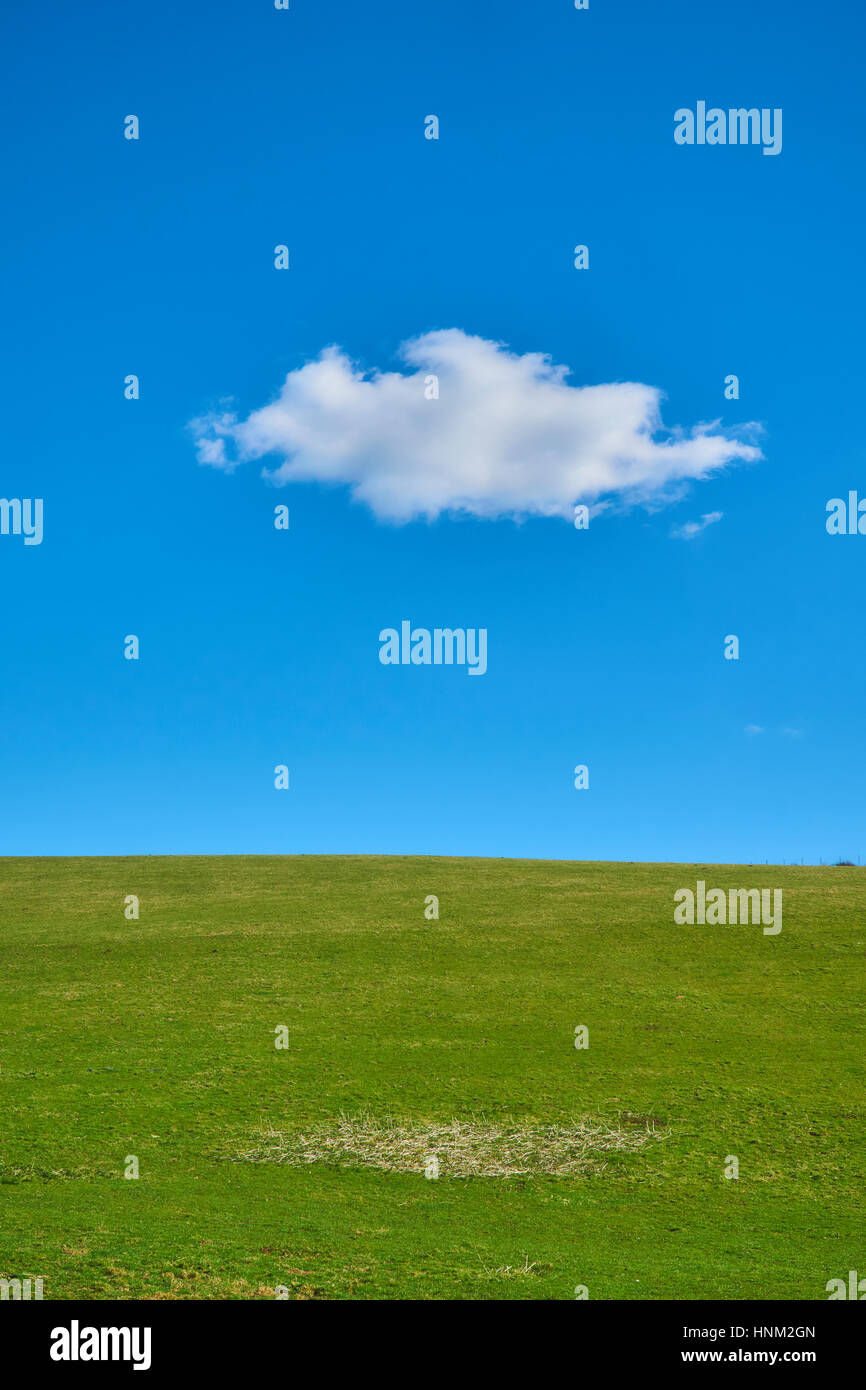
508,436
694,528
752,729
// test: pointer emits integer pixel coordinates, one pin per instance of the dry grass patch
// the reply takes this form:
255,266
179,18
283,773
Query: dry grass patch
514,1271
463,1149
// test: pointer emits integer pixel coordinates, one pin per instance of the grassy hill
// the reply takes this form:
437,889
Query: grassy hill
602,1167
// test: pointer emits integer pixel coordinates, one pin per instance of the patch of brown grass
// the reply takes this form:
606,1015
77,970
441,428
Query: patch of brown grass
464,1149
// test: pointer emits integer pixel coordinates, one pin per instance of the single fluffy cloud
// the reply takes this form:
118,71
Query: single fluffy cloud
506,436
693,528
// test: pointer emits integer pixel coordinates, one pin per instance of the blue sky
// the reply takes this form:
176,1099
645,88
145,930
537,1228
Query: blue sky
259,647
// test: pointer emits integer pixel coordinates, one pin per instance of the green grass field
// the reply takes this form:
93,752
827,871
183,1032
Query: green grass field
156,1038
